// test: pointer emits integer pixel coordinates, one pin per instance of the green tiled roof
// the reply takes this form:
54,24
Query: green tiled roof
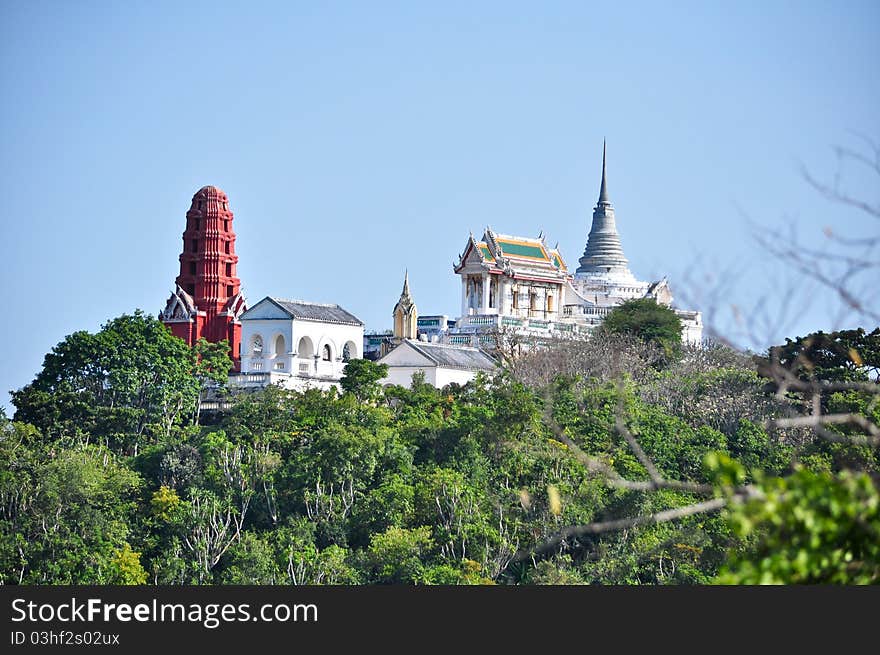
521,249
486,253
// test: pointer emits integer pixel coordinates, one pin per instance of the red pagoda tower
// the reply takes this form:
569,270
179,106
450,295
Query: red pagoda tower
207,300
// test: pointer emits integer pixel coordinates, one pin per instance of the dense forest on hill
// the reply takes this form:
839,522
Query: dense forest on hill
612,459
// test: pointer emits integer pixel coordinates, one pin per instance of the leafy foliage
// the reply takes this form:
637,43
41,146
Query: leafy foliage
361,377
646,319
850,355
107,477
131,382
809,528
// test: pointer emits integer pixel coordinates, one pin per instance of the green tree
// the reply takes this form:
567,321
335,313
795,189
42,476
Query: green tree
846,355
399,555
67,516
361,377
211,368
125,567
649,321
131,381
808,528
251,561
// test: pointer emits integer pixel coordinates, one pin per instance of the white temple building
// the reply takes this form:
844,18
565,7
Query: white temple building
508,282
521,284
297,344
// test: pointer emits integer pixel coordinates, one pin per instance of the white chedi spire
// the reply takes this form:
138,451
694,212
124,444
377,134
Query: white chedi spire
603,254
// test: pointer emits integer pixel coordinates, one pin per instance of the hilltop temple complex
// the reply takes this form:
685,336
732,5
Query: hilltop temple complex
509,285
520,285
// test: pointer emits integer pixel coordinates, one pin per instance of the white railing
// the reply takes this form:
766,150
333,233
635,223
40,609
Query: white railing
481,319
572,310
250,379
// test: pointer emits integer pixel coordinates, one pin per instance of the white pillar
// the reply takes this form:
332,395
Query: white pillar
503,288
485,306
464,307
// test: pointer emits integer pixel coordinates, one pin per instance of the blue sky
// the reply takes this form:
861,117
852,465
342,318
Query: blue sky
358,139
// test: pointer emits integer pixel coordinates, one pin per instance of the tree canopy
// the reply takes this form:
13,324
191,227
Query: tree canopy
128,383
361,377
609,472
845,355
649,321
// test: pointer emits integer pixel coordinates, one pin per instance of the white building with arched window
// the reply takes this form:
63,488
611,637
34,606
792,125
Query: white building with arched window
297,344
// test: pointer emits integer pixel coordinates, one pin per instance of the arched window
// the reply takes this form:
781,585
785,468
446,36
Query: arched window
257,345
549,302
349,351
305,348
280,345
326,353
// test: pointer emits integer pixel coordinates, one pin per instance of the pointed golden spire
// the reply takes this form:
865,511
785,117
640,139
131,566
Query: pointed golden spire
405,313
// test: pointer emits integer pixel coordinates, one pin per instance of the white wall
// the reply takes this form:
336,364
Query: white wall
402,375
692,332
438,377
444,376
333,334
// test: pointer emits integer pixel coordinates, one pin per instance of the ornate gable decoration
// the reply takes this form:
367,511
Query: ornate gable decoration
660,292
180,307
236,306
478,252
558,261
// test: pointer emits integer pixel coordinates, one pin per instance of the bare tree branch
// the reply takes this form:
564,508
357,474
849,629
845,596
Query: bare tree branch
613,478
637,449
826,419
563,536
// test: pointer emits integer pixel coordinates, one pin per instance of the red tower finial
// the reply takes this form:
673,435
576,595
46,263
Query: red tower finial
207,300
